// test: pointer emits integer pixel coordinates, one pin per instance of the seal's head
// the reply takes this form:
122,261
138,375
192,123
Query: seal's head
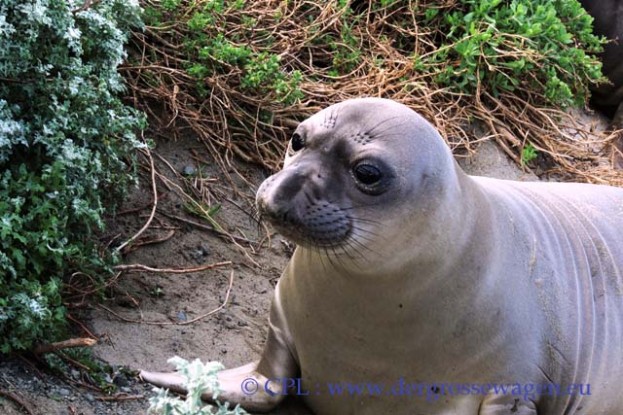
353,169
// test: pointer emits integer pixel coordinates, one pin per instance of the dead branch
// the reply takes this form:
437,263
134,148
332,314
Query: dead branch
141,267
154,205
18,400
65,344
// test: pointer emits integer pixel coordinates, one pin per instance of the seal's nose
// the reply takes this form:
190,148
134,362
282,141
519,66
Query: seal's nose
276,195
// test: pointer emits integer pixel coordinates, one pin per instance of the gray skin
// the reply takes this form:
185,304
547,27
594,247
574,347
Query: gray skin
413,270
608,22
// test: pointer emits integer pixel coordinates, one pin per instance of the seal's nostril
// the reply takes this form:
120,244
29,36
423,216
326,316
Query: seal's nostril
275,212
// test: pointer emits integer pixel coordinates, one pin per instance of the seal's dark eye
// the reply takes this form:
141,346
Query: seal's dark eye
297,142
367,174
372,176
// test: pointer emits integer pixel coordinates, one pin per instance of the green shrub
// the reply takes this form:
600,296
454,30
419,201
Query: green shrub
506,46
63,136
207,51
242,73
528,153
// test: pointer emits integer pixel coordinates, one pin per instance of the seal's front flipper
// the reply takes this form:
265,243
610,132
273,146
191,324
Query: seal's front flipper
172,381
254,391
242,385
258,386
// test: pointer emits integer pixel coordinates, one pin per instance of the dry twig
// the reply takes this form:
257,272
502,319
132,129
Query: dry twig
141,267
65,344
154,205
18,400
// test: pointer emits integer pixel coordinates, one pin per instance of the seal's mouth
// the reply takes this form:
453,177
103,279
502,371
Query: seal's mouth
309,239
317,227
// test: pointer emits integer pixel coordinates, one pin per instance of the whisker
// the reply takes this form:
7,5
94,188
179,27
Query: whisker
363,220
309,199
371,234
336,256
324,267
380,123
348,252
373,132
326,251
257,218
356,245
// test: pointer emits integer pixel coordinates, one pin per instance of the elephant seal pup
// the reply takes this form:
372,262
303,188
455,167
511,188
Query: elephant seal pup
431,285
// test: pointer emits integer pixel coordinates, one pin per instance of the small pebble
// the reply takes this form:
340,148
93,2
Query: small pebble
230,324
189,170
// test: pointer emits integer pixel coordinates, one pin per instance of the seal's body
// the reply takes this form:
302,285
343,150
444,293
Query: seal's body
431,284
533,296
